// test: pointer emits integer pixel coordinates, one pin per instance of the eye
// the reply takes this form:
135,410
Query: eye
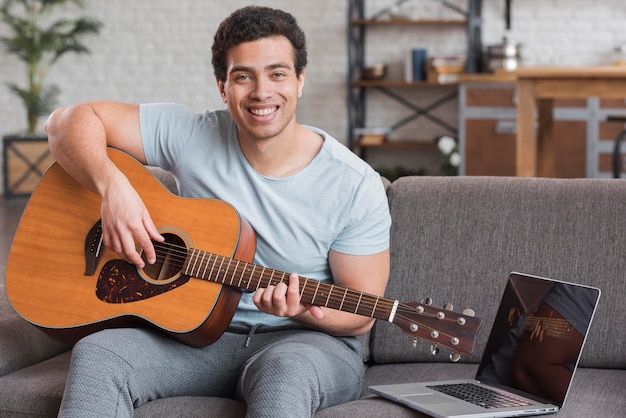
242,77
279,75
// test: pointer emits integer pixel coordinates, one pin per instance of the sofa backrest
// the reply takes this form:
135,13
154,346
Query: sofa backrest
456,239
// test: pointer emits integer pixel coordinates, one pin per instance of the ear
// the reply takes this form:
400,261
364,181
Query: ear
222,89
301,82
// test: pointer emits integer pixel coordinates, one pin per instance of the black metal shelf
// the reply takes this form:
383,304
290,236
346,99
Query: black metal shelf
357,89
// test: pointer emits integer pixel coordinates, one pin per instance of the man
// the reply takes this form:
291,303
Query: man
317,210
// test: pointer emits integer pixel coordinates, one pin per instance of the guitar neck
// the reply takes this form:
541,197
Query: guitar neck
230,272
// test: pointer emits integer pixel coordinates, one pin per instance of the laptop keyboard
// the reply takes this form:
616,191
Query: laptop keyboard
479,395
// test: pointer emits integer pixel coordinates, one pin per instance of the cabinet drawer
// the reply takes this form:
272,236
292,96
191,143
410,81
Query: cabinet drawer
608,131
613,103
506,98
490,97
491,152
487,152
605,162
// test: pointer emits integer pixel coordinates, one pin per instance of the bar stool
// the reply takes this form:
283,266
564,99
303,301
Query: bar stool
617,165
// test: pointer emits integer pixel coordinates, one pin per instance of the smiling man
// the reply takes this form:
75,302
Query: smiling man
317,210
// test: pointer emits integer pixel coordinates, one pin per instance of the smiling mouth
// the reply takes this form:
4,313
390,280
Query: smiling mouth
263,112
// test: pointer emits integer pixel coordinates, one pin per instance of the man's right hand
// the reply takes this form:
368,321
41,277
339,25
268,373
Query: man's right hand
78,137
127,225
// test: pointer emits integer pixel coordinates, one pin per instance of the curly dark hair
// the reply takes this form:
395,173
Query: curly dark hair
251,23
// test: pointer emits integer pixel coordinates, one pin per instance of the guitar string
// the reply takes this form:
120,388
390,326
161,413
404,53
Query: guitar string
349,297
361,301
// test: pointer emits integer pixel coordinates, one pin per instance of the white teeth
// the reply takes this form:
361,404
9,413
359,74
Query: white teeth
263,112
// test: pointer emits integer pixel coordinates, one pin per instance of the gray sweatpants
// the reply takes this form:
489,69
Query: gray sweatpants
285,373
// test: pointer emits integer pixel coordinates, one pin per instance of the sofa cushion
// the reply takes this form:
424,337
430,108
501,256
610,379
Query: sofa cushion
456,239
15,334
34,391
192,407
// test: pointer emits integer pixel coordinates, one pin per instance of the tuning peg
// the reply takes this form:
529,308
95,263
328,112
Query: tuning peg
434,349
469,312
414,342
456,356
427,301
448,307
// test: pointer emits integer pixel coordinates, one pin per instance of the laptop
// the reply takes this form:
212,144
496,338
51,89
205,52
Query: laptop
529,361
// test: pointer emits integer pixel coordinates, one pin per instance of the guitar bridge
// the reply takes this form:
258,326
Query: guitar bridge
93,249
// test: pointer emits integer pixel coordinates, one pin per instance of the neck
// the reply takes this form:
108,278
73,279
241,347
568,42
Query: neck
283,155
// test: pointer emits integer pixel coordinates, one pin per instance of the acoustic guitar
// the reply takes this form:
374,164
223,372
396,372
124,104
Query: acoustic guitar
60,277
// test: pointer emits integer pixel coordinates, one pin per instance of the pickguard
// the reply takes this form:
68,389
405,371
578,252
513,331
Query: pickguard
120,282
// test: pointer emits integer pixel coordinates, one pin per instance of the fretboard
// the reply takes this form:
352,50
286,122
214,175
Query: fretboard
230,272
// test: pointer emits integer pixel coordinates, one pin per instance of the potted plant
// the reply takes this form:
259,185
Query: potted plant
40,34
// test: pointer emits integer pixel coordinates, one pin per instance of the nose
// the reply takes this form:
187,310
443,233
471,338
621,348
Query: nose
262,89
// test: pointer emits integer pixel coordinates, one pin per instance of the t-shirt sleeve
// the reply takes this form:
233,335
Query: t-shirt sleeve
367,230
165,130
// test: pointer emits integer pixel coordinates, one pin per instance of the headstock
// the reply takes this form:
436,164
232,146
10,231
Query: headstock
440,326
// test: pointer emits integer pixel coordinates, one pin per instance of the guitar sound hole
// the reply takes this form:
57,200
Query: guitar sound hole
170,257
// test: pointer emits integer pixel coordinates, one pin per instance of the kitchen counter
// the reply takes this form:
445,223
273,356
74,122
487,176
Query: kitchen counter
495,77
536,90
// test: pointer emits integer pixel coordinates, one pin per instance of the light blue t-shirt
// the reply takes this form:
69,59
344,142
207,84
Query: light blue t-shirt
337,202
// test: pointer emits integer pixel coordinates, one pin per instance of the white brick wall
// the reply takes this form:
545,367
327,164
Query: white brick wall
160,51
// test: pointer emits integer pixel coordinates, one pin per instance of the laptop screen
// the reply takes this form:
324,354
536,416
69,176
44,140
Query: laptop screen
538,335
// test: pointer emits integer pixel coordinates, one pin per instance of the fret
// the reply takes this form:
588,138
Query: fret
282,278
215,257
258,284
252,272
188,264
343,299
241,275
220,271
232,275
226,269
206,265
358,303
374,308
193,259
315,293
329,292
198,264
304,285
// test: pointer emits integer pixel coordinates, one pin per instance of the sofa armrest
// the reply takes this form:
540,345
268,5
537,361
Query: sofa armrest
22,344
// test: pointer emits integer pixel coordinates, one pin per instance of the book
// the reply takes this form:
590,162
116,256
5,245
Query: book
416,65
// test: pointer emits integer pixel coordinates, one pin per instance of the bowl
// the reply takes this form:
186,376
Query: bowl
375,72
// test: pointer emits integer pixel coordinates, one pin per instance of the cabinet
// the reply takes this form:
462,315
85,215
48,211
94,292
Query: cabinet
25,160
399,91
487,132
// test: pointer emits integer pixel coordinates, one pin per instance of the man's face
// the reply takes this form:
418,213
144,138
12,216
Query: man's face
261,88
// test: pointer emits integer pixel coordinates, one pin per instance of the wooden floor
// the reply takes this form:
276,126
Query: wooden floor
10,212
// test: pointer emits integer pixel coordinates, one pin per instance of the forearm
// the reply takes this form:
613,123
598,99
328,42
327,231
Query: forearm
77,140
336,322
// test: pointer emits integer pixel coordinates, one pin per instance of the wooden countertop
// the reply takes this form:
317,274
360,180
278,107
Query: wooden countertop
495,77
501,76
608,71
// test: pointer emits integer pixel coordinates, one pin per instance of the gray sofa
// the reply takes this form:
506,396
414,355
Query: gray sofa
454,239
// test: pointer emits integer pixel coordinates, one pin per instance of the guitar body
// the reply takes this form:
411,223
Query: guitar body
60,277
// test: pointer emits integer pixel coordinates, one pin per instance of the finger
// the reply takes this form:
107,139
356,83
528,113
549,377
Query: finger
279,295
149,253
152,230
129,249
293,292
316,311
